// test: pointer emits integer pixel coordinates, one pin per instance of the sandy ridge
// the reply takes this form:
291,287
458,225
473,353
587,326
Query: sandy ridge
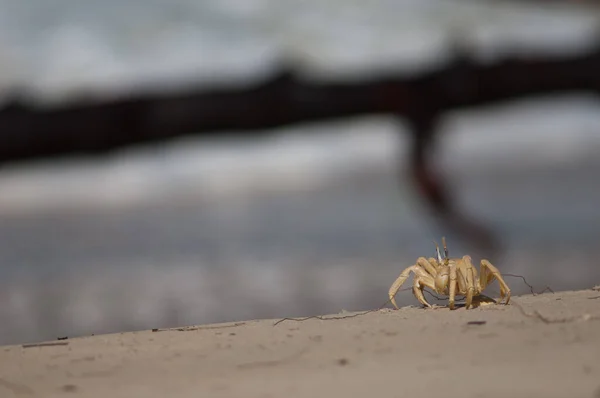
546,345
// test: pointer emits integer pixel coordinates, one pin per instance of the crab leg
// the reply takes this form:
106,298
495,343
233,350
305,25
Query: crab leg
420,283
429,265
433,262
420,274
452,282
467,274
398,284
488,273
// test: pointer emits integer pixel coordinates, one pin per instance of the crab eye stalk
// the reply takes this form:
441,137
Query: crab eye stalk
445,247
439,255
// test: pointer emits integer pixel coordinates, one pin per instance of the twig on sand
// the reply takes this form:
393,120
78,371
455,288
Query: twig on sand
192,328
329,318
333,318
546,289
49,344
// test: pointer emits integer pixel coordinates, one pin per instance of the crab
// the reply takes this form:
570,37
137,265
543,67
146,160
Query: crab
451,277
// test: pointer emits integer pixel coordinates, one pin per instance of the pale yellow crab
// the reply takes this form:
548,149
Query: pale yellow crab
451,277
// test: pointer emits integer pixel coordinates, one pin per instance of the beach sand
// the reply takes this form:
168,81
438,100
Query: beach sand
546,345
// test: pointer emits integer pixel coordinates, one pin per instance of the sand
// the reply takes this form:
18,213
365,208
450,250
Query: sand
491,351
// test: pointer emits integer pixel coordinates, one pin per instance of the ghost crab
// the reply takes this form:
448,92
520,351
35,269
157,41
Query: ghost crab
451,277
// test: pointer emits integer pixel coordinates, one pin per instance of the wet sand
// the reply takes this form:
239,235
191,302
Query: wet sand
546,345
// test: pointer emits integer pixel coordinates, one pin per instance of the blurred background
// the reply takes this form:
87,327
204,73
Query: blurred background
129,200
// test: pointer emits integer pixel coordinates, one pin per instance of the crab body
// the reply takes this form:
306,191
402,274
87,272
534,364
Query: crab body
451,277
